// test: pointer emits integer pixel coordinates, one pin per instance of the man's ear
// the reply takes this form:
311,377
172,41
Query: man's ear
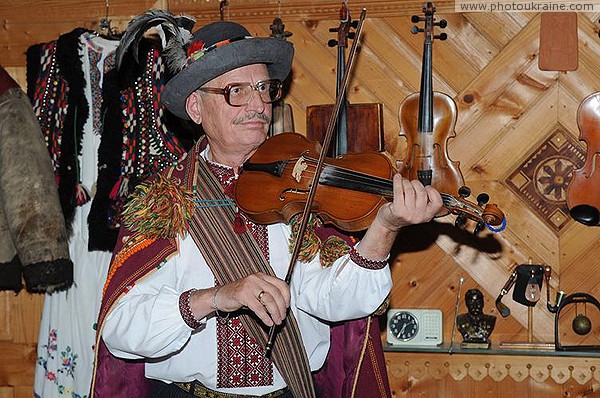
193,106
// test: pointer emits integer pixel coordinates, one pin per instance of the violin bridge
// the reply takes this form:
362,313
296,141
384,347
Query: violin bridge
299,168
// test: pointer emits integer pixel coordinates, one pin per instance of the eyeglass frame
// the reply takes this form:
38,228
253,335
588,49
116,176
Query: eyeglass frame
226,91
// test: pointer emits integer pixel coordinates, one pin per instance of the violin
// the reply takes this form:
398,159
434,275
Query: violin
282,118
359,127
274,184
427,134
583,195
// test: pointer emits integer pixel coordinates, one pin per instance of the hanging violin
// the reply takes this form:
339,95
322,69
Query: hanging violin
583,194
427,120
359,127
282,118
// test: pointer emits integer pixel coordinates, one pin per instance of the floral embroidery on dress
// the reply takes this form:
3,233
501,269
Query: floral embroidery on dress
68,363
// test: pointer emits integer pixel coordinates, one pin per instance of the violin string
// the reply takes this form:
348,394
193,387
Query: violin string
349,175
341,176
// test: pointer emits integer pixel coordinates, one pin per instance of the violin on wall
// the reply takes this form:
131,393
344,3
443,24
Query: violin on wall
583,192
427,120
282,117
359,127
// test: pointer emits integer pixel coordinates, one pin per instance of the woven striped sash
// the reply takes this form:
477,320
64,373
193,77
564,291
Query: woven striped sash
211,229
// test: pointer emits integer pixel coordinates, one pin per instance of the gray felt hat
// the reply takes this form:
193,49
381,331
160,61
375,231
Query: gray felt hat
220,47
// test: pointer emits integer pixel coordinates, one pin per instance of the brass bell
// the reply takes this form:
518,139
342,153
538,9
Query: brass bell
582,325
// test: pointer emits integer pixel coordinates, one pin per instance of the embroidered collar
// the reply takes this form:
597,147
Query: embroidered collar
226,175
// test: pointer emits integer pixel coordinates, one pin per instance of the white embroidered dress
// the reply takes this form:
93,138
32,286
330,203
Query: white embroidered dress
67,330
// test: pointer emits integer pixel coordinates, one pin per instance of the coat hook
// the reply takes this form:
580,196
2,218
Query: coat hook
222,5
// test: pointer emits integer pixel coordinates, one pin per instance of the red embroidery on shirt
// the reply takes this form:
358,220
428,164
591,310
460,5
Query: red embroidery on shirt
241,361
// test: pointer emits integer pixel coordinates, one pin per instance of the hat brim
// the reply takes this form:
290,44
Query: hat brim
277,54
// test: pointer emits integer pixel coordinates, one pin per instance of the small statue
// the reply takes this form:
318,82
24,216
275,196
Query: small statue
475,326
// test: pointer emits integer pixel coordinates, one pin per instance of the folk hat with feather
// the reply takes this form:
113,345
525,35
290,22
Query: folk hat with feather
220,47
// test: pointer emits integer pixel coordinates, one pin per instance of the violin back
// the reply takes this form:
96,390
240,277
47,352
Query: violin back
364,129
583,192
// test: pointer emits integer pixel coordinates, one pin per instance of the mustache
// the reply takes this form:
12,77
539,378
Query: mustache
252,115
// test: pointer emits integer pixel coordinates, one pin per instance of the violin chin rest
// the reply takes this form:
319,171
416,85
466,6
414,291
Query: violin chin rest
586,214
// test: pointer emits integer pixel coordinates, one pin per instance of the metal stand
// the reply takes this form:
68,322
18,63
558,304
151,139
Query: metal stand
529,344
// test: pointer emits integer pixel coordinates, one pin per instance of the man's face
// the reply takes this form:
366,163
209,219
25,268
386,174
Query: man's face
235,130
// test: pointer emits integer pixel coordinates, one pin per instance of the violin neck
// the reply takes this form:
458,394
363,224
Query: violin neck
340,147
425,122
340,177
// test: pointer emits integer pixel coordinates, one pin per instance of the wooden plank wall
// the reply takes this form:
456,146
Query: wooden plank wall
516,134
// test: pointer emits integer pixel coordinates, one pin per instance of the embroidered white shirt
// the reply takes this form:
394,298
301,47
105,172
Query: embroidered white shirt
146,322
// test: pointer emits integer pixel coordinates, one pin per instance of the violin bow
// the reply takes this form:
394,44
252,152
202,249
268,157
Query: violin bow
319,167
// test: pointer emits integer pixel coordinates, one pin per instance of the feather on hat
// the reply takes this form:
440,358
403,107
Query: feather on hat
177,30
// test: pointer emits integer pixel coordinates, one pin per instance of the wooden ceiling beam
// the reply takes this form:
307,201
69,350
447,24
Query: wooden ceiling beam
300,10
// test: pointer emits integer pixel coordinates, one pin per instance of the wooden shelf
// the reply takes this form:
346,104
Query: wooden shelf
498,364
495,349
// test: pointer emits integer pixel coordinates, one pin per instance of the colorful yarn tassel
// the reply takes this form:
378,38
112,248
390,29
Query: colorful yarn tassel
160,209
120,189
82,195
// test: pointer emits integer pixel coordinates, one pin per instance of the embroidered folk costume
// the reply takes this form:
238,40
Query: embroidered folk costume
66,337
143,263
171,243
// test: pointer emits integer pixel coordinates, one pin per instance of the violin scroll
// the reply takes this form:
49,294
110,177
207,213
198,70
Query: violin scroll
482,212
343,31
428,11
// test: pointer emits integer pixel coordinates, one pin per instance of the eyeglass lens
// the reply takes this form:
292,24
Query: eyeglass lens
241,93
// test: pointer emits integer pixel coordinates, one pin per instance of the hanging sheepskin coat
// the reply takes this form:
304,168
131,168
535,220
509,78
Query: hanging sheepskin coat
33,237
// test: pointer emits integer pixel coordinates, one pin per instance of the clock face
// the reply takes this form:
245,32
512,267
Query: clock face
403,325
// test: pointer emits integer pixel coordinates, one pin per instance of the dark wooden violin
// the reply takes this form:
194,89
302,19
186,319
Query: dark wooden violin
282,117
583,193
275,182
427,120
359,127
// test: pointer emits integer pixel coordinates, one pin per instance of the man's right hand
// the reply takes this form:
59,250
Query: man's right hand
265,295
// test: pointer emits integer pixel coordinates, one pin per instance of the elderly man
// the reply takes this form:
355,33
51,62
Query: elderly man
194,284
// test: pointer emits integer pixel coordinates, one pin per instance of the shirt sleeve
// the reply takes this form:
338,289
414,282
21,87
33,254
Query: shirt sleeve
341,292
146,321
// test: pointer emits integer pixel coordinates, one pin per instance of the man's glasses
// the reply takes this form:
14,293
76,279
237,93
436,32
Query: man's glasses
240,94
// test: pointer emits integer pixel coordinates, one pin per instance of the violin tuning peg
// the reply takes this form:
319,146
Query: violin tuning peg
482,199
332,43
460,221
354,24
464,191
478,228
415,19
351,35
415,29
442,24
441,36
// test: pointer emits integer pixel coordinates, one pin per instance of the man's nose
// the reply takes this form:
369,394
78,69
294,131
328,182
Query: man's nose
256,103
